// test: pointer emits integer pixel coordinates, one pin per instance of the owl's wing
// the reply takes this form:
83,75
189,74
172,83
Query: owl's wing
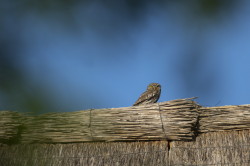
147,97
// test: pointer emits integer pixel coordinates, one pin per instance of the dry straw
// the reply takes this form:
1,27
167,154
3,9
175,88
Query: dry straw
224,118
213,131
173,120
209,149
180,119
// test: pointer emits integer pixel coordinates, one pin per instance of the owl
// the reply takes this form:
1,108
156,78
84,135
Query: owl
151,95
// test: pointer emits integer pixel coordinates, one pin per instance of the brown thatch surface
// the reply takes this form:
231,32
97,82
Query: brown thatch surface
9,126
85,154
179,119
215,148
172,120
224,118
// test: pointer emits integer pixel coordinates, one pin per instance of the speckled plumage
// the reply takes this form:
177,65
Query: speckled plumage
151,95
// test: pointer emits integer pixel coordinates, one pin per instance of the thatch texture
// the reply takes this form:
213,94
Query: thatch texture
224,118
135,128
9,126
215,149
173,120
85,154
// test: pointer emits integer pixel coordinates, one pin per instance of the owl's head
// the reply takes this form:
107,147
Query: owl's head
154,86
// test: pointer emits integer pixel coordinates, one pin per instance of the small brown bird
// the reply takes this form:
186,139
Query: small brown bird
151,95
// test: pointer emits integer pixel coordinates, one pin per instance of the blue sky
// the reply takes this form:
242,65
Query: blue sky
105,61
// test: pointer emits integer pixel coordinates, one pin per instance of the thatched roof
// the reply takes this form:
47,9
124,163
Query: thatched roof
208,149
180,119
173,120
232,117
177,132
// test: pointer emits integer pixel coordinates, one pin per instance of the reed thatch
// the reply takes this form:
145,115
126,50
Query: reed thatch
9,126
209,149
181,120
224,118
172,120
213,148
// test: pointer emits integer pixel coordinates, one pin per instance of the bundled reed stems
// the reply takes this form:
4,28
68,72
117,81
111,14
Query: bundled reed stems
181,119
224,118
172,120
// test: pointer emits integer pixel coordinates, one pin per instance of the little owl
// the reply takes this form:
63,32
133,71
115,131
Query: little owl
151,95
